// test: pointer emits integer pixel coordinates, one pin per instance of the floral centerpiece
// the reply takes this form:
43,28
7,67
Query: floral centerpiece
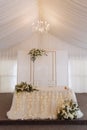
68,110
23,86
34,53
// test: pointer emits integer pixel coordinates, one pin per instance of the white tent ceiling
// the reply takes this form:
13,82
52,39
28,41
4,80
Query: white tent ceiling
67,18
16,17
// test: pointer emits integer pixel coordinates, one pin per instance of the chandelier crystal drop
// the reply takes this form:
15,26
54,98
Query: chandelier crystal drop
40,26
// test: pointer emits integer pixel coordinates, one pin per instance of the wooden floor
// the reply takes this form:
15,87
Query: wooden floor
5,123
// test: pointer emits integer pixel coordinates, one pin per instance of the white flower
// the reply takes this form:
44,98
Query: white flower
68,110
34,53
70,115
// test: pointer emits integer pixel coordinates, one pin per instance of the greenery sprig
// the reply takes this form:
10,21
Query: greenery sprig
34,53
23,86
68,111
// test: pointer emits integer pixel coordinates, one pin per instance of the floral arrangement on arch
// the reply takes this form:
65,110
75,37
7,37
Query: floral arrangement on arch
68,110
24,87
34,53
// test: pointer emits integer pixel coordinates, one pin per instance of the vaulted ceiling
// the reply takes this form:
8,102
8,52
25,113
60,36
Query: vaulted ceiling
67,18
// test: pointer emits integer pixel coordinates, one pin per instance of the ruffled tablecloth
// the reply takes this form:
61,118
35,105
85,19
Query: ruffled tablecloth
42,104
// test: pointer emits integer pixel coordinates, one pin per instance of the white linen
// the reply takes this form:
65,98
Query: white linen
42,104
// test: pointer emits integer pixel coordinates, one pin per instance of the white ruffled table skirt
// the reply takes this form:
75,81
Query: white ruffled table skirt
42,104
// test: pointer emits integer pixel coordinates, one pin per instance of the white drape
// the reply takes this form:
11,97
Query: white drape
16,18
78,73
62,68
8,71
23,67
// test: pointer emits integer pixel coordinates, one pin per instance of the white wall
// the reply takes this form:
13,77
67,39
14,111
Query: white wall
75,56
48,42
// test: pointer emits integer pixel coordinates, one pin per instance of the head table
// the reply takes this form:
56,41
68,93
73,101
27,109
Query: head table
41,104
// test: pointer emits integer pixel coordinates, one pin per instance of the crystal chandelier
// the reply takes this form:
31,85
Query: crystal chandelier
40,26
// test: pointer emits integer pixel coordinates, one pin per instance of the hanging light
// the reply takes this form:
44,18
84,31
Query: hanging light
40,26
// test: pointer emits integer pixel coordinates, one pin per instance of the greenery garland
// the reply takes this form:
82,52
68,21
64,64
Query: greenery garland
23,86
34,53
